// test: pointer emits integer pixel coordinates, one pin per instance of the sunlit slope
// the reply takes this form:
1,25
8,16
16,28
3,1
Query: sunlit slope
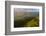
34,22
27,22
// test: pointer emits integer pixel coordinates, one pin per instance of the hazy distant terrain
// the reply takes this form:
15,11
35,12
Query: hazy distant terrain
26,18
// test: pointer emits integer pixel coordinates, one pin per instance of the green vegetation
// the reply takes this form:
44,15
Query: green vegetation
33,23
27,22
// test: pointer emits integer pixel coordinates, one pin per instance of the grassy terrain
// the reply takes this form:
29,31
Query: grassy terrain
27,22
33,23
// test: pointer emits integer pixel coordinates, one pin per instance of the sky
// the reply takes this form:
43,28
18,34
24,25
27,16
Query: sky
26,10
